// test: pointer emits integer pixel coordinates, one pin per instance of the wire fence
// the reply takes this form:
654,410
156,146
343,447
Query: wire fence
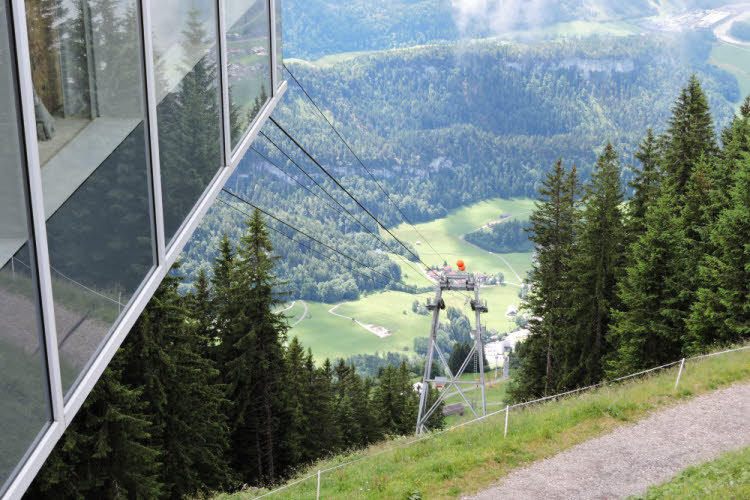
505,410
81,285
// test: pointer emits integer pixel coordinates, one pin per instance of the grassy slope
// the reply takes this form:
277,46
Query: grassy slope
444,234
469,459
332,337
726,477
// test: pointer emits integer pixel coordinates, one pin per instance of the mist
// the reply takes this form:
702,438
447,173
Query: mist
497,17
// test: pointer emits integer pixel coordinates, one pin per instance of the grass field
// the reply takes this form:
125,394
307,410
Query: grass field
471,458
736,60
726,477
445,235
332,337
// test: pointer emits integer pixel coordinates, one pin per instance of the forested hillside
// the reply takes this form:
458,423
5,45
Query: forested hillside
442,127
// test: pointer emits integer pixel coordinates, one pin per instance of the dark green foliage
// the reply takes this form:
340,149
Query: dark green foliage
507,237
553,226
596,265
664,276
167,357
106,452
721,313
646,184
204,395
396,401
459,353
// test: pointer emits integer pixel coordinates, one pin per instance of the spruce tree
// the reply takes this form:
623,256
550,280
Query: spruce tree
385,400
597,263
167,358
253,356
298,404
106,452
689,137
721,314
321,436
646,185
662,279
407,402
552,230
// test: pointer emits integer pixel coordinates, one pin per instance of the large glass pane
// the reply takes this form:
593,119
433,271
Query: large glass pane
89,96
190,140
24,396
249,61
279,42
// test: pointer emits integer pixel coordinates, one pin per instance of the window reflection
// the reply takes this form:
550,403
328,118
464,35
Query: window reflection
24,396
92,144
249,61
188,111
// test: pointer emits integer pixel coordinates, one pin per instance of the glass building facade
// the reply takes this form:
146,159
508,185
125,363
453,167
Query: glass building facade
120,122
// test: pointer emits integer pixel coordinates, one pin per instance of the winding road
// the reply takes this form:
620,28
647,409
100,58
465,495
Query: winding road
722,30
378,331
304,314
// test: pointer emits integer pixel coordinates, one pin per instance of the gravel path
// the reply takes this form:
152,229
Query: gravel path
628,460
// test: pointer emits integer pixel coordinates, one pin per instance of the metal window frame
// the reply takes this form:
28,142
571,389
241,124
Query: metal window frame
274,63
63,411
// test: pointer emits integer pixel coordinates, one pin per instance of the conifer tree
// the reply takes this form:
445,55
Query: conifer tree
407,402
253,356
597,264
689,137
384,400
106,450
298,404
322,436
662,279
552,230
166,357
646,185
721,313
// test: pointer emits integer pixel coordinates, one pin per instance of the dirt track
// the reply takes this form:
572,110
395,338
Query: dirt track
628,460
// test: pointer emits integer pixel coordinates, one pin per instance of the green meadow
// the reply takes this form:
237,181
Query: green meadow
332,336
736,60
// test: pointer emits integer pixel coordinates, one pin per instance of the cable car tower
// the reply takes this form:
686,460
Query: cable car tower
454,282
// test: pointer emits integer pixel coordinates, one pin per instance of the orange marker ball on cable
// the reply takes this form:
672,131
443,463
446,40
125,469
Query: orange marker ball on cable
461,265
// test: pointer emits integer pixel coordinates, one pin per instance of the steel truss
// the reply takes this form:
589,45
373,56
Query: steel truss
454,282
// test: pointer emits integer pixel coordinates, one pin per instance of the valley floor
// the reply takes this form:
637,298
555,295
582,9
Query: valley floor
385,322
630,459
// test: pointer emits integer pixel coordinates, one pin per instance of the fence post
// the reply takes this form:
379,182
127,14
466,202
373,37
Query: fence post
507,410
679,374
318,495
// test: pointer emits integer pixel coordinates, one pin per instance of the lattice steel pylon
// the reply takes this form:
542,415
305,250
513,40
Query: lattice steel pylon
452,282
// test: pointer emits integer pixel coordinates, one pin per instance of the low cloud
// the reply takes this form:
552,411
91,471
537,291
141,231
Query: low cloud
500,16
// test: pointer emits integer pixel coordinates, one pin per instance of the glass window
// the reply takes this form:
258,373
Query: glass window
248,61
24,396
188,93
279,42
89,106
